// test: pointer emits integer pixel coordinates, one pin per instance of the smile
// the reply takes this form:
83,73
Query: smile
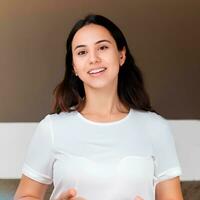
97,71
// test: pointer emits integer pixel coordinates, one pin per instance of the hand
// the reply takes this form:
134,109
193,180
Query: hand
70,195
67,195
138,198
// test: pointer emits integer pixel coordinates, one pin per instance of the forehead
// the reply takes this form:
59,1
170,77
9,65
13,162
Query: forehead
90,34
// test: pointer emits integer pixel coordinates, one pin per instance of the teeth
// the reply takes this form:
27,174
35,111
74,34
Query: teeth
97,70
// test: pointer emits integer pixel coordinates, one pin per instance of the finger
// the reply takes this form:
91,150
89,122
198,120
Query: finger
138,198
78,198
68,194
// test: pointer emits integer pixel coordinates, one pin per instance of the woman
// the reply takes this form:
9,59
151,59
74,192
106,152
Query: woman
103,140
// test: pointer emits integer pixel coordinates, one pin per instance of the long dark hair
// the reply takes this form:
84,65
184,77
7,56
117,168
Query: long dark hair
69,93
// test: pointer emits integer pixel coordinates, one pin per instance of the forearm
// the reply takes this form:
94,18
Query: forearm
169,190
27,198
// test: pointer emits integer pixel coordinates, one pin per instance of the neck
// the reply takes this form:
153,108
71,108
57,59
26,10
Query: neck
102,102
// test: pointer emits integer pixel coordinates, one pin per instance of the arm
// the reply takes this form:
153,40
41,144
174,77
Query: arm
38,163
29,189
169,190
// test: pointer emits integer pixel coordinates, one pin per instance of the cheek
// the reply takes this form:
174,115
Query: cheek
114,57
80,66
77,63
74,60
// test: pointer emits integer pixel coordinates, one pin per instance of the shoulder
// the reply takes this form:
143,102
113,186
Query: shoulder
48,119
158,129
152,123
149,118
52,123
63,118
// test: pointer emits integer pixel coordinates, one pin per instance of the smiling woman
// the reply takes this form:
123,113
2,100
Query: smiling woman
98,57
102,140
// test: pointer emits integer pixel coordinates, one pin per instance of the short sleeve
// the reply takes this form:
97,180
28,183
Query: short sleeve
39,159
165,156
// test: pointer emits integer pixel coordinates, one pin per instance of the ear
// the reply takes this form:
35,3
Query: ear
74,70
122,56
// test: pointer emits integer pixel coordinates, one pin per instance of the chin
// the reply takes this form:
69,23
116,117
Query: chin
100,85
97,86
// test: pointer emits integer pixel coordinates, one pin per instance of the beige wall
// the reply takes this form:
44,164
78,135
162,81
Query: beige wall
163,36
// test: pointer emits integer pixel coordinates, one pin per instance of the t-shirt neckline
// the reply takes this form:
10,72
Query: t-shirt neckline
105,123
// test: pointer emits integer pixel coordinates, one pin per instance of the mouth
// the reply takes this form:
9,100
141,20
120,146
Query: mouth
97,71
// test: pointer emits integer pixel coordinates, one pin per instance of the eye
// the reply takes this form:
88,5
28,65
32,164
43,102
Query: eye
103,47
81,52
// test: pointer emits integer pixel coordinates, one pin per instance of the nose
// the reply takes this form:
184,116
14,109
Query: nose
94,58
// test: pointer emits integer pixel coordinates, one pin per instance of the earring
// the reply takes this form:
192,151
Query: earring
121,61
75,73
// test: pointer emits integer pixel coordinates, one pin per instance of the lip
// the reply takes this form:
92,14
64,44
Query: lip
96,68
98,73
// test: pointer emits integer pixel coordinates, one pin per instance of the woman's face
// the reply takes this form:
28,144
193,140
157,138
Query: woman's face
96,58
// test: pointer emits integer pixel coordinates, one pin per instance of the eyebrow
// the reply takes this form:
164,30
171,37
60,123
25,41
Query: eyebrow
82,45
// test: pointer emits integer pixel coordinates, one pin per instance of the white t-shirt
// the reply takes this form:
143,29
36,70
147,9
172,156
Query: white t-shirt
103,160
